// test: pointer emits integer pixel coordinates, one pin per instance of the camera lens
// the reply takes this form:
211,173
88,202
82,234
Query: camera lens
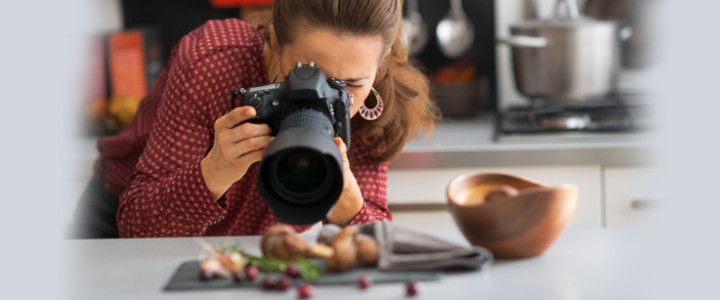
301,175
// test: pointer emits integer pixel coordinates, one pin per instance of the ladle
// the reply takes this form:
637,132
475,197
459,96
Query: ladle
455,32
415,31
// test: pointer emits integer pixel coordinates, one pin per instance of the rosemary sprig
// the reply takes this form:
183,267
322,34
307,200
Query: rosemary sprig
308,267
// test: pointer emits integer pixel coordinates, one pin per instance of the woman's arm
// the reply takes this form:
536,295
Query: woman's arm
350,202
364,197
372,180
167,195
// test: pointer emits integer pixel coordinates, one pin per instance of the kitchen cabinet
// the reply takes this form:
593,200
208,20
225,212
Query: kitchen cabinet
83,159
629,197
608,196
418,177
426,187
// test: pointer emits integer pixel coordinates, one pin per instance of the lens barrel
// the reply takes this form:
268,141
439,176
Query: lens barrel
300,176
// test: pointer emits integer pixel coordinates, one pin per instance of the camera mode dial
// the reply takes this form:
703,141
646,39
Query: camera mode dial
336,83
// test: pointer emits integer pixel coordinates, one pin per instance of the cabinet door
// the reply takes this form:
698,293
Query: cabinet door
82,162
428,186
628,196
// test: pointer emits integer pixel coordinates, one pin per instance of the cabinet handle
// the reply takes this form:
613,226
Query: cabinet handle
642,204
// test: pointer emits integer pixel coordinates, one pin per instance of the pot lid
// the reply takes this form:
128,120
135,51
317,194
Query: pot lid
562,23
568,17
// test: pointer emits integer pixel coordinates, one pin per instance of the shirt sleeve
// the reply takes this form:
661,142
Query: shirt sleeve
372,180
167,195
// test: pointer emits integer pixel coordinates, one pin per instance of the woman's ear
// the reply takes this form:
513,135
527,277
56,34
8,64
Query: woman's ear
274,45
272,51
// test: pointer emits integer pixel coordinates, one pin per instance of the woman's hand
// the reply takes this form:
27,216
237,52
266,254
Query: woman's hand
236,147
351,200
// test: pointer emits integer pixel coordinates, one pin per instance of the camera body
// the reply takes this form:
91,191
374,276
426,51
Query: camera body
301,172
305,87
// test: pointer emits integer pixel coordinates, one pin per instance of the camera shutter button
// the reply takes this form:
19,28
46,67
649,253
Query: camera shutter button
255,102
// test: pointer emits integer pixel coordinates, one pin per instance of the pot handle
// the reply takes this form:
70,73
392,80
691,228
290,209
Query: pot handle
625,33
571,7
523,41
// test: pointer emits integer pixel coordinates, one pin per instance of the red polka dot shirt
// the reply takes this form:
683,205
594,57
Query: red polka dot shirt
154,163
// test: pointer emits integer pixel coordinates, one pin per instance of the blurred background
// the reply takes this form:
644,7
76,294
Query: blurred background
470,73
578,110
654,168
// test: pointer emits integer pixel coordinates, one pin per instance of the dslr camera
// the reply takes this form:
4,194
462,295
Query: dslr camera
301,172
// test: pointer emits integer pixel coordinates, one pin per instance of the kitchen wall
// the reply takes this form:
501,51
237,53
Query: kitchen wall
103,16
106,16
44,44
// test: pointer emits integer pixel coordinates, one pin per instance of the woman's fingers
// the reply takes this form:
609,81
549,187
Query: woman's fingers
251,157
242,139
230,137
248,145
237,145
343,153
235,140
234,117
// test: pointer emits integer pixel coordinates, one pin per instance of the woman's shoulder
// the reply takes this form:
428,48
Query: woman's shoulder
360,151
218,36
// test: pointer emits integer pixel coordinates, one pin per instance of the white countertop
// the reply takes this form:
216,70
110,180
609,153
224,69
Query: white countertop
582,264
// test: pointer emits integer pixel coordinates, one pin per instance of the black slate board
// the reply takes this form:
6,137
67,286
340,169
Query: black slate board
187,277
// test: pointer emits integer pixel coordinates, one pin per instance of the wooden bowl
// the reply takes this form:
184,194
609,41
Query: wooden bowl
511,216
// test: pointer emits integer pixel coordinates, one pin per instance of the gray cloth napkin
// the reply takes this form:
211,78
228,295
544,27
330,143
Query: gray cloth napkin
402,249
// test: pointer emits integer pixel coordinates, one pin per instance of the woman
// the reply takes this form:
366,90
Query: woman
184,166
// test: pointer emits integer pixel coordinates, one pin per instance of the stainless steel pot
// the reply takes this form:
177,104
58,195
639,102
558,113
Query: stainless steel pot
636,14
566,58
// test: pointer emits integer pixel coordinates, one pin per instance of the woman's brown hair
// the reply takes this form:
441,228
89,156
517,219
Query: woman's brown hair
402,86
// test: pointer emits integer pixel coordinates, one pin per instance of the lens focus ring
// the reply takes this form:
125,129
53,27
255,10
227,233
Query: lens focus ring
308,118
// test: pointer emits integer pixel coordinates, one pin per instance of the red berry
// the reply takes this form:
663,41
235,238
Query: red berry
365,281
305,291
292,270
413,287
251,273
204,275
284,283
268,283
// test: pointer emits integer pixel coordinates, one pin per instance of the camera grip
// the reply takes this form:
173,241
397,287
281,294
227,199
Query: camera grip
342,125
266,106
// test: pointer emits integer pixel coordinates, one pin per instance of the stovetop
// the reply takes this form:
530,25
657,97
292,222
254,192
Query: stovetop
611,116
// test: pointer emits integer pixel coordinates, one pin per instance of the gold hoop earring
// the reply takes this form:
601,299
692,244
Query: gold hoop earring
375,112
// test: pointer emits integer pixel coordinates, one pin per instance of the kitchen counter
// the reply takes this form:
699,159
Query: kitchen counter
582,264
471,143
417,178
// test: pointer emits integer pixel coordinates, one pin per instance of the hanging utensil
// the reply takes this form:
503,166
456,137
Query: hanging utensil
455,32
415,31
531,11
